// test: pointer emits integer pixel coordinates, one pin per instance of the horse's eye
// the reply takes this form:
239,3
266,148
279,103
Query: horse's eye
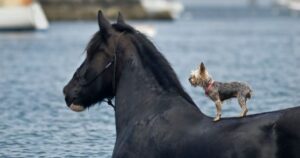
101,50
80,73
89,75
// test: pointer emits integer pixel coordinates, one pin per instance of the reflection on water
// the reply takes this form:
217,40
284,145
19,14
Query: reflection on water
34,66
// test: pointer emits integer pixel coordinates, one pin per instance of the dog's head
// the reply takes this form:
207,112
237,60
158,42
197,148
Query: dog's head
199,77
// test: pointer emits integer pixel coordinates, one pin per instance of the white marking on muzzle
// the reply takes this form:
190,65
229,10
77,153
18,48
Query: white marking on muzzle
77,108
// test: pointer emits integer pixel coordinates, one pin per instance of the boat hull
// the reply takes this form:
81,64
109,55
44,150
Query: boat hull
23,17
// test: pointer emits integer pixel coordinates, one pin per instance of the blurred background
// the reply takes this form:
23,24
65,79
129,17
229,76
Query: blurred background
42,44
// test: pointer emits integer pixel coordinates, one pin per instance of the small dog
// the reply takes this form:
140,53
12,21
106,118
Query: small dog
218,91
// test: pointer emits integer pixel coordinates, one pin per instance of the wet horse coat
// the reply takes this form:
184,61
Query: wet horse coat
156,118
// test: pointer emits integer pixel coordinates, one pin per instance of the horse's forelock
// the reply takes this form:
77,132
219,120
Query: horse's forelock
97,38
94,44
122,27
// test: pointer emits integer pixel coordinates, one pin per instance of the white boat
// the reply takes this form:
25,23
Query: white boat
160,7
148,30
29,16
294,5
290,4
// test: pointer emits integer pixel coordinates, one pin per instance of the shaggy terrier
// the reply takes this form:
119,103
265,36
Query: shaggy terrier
218,91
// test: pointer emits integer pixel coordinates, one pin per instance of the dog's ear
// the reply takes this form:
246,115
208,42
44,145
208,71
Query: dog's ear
202,68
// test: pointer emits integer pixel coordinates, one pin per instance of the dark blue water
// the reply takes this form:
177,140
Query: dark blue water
263,50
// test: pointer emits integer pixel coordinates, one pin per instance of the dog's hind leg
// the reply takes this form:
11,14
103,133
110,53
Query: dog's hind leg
242,101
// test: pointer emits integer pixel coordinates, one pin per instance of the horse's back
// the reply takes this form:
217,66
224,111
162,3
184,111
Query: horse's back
288,133
181,133
268,135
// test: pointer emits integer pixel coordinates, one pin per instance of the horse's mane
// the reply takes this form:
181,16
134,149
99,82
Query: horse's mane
154,60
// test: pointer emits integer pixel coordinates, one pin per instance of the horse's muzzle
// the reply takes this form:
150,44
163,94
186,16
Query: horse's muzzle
77,108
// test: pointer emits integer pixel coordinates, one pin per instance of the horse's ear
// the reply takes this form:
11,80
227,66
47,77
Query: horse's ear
202,68
104,24
120,19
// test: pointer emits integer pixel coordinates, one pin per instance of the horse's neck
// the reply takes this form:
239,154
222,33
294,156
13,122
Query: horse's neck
139,96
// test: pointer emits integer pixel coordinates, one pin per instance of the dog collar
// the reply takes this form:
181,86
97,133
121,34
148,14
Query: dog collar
209,87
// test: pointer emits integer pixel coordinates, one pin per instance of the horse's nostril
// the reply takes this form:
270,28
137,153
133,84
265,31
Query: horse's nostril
69,100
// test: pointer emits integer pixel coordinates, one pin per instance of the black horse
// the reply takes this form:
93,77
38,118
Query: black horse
156,118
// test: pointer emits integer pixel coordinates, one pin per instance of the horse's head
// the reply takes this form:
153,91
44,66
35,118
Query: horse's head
94,80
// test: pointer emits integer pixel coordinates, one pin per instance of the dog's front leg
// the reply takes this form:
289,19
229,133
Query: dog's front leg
219,110
242,102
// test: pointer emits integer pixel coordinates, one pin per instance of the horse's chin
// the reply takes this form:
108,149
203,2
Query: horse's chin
77,108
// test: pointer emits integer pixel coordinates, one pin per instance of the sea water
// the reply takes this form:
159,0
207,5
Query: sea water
259,48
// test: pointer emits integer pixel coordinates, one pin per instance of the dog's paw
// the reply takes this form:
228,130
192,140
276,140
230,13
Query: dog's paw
216,119
244,113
